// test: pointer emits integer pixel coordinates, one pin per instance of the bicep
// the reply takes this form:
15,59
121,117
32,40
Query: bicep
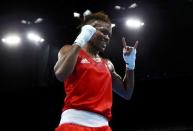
118,86
117,82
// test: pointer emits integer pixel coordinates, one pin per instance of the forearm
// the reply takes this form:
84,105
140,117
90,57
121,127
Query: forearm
128,80
65,65
124,87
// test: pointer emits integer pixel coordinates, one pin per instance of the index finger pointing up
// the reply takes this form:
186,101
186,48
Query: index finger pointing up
124,42
136,44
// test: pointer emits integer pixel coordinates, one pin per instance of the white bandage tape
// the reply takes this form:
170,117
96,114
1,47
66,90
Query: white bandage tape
130,59
87,31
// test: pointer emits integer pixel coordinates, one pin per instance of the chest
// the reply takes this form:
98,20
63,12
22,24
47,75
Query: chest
94,66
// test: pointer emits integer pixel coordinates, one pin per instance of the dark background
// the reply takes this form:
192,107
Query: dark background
31,98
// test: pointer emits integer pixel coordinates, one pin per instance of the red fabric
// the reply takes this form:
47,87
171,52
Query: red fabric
89,87
74,127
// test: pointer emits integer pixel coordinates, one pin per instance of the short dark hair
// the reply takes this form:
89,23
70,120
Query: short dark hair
96,16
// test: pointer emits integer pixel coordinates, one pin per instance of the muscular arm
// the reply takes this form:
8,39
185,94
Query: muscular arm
123,87
68,54
65,64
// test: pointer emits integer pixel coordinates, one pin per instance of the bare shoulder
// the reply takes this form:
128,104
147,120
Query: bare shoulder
110,65
63,50
112,69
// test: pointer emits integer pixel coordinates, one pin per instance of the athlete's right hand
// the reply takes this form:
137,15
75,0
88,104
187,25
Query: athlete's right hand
87,31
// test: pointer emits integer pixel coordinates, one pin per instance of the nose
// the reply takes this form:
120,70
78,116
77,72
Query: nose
106,38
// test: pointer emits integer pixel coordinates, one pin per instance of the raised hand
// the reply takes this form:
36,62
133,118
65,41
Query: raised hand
127,49
129,54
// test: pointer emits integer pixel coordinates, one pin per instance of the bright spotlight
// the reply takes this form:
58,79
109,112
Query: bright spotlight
23,21
134,23
38,20
11,40
134,5
113,25
34,37
117,7
87,12
42,40
76,15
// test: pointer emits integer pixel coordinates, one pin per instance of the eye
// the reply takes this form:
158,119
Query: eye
106,32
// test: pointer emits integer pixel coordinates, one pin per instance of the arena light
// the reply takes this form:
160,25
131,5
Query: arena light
25,22
113,25
134,5
117,7
76,15
34,37
12,40
134,23
87,12
38,20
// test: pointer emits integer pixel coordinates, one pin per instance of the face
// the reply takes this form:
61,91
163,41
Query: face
103,34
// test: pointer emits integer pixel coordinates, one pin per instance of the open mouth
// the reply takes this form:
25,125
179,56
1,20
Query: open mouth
104,45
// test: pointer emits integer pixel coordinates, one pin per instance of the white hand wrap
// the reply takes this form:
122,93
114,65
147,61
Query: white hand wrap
130,59
87,31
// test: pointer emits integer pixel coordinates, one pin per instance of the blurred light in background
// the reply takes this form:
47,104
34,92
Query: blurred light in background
113,25
134,5
34,37
38,20
12,40
117,7
134,23
76,15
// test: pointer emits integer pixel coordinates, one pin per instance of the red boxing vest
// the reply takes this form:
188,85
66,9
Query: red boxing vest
89,87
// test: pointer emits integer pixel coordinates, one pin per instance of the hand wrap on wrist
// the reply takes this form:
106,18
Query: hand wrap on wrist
87,31
130,59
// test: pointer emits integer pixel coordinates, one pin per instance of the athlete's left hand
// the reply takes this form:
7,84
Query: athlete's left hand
129,54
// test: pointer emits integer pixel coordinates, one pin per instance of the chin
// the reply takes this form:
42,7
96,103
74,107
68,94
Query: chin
102,49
